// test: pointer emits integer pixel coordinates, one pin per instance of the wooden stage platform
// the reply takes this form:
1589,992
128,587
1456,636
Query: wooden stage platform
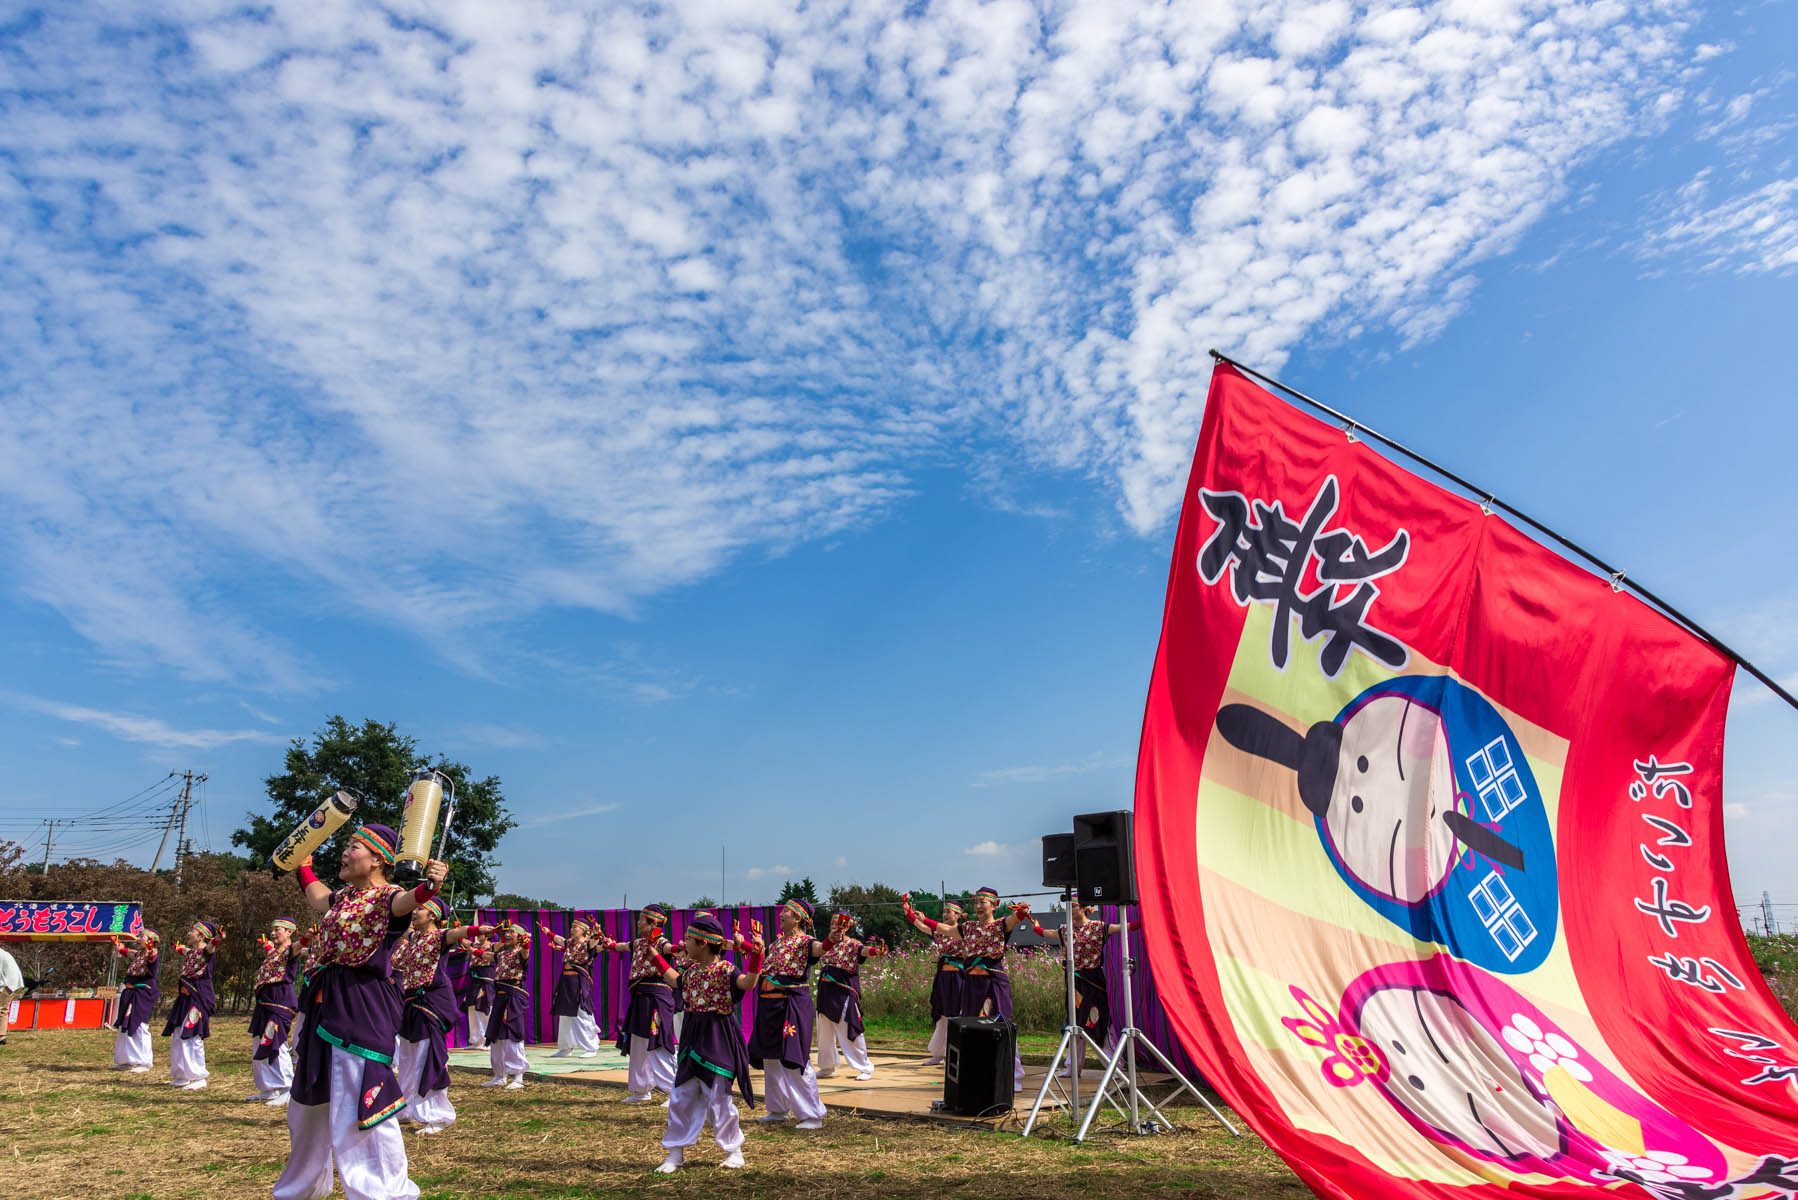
903,1088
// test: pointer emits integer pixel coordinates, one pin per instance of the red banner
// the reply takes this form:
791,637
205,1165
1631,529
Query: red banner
1429,828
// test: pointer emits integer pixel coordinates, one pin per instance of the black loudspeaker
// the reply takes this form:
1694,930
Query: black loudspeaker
1058,860
1105,858
977,1078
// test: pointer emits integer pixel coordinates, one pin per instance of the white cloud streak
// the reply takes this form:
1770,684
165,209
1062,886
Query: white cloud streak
755,873
1044,773
542,819
443,314
1755,233
147,730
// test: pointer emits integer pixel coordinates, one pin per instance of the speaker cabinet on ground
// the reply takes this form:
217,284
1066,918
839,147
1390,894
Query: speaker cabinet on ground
977,1078
1105,858
1058,860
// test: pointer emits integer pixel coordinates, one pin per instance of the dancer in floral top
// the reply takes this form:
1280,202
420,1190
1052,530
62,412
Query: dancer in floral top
422,1059
476,995
781,1043
572,1005
192,1011
271,1064
986,985
344,1089
511,1004
711,1050
647,1032
137,1001
840,1000
945,987
1092,995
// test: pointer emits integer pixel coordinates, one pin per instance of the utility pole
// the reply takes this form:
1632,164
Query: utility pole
167,829
182,848
49,836
1767,912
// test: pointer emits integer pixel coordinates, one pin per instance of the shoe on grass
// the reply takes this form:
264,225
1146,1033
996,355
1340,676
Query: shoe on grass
813,1123
675,1160
770,1118
733,1161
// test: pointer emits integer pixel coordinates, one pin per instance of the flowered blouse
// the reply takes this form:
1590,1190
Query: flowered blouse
845,955
273,968
415,958
790,956
354,928
643,952
194,962
947,940
1089,945
480,952
509,962
984,939
710,988
577,959
141,960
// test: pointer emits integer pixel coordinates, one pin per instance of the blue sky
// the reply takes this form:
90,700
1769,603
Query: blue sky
742,428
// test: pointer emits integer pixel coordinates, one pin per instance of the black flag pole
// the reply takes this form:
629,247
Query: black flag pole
1619,579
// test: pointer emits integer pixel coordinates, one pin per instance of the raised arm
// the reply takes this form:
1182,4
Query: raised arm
916,919
317,893
405,901
1020,912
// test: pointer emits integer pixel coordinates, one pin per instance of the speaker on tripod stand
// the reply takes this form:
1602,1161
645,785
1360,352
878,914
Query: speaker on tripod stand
1104,858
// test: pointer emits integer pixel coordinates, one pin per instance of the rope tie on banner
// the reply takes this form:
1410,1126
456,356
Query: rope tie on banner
1618,582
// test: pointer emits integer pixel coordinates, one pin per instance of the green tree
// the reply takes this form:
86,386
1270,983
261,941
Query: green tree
703,902
504,900
376,762
805,889
878,909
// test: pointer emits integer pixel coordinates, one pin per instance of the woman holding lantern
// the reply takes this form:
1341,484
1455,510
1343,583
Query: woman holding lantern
344,1088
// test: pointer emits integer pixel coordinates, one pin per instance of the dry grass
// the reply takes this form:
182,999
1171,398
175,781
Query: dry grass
69,1127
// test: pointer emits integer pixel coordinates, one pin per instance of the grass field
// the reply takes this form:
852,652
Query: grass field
71,1128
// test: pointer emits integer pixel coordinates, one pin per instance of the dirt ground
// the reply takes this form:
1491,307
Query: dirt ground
71,1127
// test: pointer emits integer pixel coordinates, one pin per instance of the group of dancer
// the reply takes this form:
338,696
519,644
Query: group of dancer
351,1019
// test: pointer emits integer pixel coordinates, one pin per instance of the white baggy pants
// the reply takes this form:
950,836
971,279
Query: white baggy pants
649,1068
477,1026
576,1035
507,1057
272,1077
939,1039
187,1059
791,1091
855,1051
132,1049
432,1108
691,1104
323,1137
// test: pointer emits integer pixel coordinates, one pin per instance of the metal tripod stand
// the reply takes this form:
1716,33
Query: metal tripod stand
1118,1084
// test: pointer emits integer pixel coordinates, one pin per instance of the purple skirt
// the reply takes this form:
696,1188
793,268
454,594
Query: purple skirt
429,1015
511,1006
354,1010
650,1015
986,994
783,1028
1092,1000
840,999
574,994
137,1003
945,990
192,1011
711,1051
276,1005
476,991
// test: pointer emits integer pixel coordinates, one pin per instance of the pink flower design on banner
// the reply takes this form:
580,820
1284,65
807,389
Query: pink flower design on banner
1352,1057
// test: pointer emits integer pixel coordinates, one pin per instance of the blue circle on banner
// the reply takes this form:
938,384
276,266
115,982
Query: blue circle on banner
1470,860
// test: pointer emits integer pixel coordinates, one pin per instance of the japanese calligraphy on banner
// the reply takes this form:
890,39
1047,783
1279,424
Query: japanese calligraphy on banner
1430,844
68,921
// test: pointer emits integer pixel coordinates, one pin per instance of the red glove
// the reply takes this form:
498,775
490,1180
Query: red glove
1134,925
305,874
752,961
424,893
1040,931
661,963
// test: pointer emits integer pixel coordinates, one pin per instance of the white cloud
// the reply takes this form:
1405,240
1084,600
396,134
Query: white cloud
1755,232
442,316
591,810
992,850
1043,773
842,861
780,872
1735,812
147,730
503,737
